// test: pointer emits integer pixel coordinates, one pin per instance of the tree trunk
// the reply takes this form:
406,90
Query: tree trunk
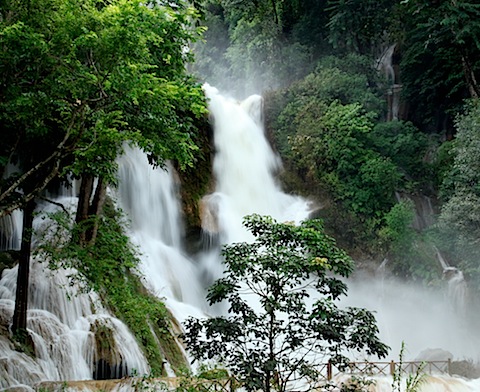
90,208
86,190
19,326
96,209
470,78
275,14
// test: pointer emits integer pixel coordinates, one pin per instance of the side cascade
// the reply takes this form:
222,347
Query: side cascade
149,196
63,324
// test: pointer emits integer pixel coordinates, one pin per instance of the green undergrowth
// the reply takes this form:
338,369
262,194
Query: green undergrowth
109,267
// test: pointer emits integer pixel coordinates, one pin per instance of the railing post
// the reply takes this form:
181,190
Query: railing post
329,371
392,368
449,366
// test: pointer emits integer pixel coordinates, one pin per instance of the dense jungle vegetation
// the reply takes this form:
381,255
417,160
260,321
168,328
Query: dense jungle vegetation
330,72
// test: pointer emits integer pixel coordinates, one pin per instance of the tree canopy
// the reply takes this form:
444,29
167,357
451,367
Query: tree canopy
80,78
283,321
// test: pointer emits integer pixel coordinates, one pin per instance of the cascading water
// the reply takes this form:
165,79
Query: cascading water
62,324
149,197
10,237
244,168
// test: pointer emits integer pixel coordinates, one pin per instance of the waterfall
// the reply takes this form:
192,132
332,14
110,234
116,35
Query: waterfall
61,322
149,196
9,235
457,293
244,169
10,225
386,66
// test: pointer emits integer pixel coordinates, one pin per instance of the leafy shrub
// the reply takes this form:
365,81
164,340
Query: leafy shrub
403,143
283,321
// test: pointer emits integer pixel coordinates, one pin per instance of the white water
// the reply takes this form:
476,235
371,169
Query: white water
149,196
244,169
60,321
9,226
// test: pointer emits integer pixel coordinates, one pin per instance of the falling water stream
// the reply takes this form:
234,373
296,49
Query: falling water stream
61,321
244,170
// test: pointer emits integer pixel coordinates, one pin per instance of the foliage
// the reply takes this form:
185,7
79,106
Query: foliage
397,230
440,60
464,175
339,147
283,323
79,78
207,378
357,384
244,43
413,381
404,144
254,52
324,127
458,225
443,163
358,25
107,268
398,237
330,144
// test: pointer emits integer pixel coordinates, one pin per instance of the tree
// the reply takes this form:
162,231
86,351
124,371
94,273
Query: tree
283,320
79,79
359,25
455,24
440,57
459,220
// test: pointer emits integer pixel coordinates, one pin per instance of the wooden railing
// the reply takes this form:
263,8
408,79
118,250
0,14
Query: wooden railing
216,385
177,384
387,368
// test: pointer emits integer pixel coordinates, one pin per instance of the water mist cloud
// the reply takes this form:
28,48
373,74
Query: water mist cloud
422,318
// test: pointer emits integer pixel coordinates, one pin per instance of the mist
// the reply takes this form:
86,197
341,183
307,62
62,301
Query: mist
423,318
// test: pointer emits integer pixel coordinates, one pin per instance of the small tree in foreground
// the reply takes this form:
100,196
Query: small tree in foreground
283,322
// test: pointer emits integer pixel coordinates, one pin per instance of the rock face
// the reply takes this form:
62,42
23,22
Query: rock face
209,206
